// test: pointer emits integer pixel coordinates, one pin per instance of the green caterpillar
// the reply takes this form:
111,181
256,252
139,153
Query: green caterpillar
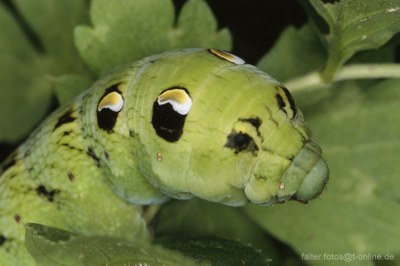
182,124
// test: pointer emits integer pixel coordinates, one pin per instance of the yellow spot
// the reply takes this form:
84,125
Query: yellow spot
177,95
178,98
281,185
228,56
112,101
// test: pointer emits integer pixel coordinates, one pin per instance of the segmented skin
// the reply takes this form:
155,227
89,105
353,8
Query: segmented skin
186,123
57,178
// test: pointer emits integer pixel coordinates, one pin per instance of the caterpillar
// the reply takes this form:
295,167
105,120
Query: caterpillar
181,124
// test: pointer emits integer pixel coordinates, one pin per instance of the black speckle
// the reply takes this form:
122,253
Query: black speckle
12,175
49,194
93,155
17,218
71,176
168,123
107,118
3,239
107,155
70,147
64,119
239,141
67,133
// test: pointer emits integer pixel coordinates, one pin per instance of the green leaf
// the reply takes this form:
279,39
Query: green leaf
198,27
356,126
294,47
26,71
53,22
69,86
125,31
202,218
216,251
356,25
52,246
386,53
25,91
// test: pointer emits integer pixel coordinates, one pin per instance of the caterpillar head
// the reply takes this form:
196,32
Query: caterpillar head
223,130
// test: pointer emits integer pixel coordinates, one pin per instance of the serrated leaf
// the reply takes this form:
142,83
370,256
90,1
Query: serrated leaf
356,25
52,246
294,47
125,31
55,29
215,251
358,213
25,91
69,86
195,23
26,71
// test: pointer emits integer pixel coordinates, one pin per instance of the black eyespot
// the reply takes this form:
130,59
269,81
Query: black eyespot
239,142
107,117
169,113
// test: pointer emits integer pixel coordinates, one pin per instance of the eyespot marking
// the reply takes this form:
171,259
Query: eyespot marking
108,107
169,113
227,56
178,98
113,101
